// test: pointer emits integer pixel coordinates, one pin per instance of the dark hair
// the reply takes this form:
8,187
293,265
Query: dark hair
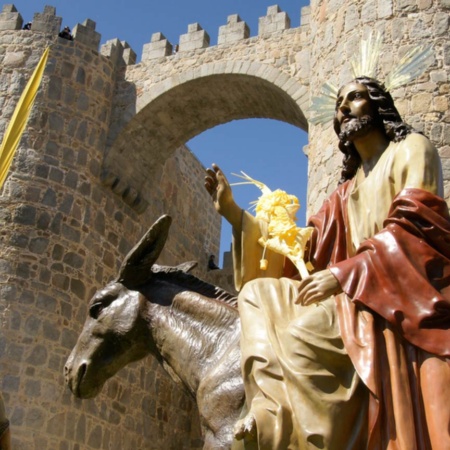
386,117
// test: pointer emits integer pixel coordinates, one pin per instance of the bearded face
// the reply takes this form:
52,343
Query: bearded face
354,113
354,128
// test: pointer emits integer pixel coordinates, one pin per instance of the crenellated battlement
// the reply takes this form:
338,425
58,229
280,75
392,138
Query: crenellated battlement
196,38
85,33
10,19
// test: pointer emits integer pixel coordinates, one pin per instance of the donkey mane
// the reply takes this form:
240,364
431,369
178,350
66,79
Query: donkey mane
181,278
202,319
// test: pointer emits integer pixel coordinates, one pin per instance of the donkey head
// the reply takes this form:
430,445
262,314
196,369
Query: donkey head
115,332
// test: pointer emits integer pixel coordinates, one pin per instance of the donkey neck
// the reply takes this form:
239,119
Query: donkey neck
193,334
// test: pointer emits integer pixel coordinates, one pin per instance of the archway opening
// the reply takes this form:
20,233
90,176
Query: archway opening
268,150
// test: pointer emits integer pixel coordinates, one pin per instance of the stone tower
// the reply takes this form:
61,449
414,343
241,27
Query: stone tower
97,164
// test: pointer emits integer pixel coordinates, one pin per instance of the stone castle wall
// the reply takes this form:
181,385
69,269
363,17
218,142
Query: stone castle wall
63,236
103,156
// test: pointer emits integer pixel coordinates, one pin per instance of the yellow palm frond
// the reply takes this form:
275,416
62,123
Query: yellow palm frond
278,209
19,118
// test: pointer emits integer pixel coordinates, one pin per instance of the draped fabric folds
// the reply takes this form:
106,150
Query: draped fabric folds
392,319
395,322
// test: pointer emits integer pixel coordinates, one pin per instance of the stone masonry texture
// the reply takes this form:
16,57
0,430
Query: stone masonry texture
103,156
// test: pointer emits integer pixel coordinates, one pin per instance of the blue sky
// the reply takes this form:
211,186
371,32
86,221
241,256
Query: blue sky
268,150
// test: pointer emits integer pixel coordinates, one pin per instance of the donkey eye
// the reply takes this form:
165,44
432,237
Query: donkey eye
100,302
96,309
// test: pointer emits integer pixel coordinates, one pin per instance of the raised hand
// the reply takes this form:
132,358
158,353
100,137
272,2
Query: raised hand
220,191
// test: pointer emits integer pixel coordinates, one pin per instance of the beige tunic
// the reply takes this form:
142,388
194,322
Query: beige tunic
411,163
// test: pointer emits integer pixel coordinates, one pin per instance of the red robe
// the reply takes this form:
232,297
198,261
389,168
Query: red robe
394,314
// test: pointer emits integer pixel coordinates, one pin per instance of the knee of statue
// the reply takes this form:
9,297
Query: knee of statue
253,290
313,318
266,293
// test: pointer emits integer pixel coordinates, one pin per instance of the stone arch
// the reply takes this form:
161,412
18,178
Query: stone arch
210,95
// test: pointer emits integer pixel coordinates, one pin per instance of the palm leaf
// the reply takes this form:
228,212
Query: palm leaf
19,118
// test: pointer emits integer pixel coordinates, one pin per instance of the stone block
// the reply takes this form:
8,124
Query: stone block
440,103
302,60
234,30
351,18
436,132
156,37
73,260
129,55
38,355
35,418
45,302
38,245
68,338
16,351
10,383
424,4
55,425
398,27
305,17
14,59
86,34
446,48
95,437
49,10
158,47
446,138
273,10
407,5
195,38
384,9
441,24
439,76
421,103
275,20
47,21
79,289
25,215
50,331
446,167
369,11
113,49
9,8
10,19
193,27
33,388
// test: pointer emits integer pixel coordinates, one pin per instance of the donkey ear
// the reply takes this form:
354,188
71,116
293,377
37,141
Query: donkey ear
136,267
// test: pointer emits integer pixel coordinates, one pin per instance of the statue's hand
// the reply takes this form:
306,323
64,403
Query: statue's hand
219,189
317,287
